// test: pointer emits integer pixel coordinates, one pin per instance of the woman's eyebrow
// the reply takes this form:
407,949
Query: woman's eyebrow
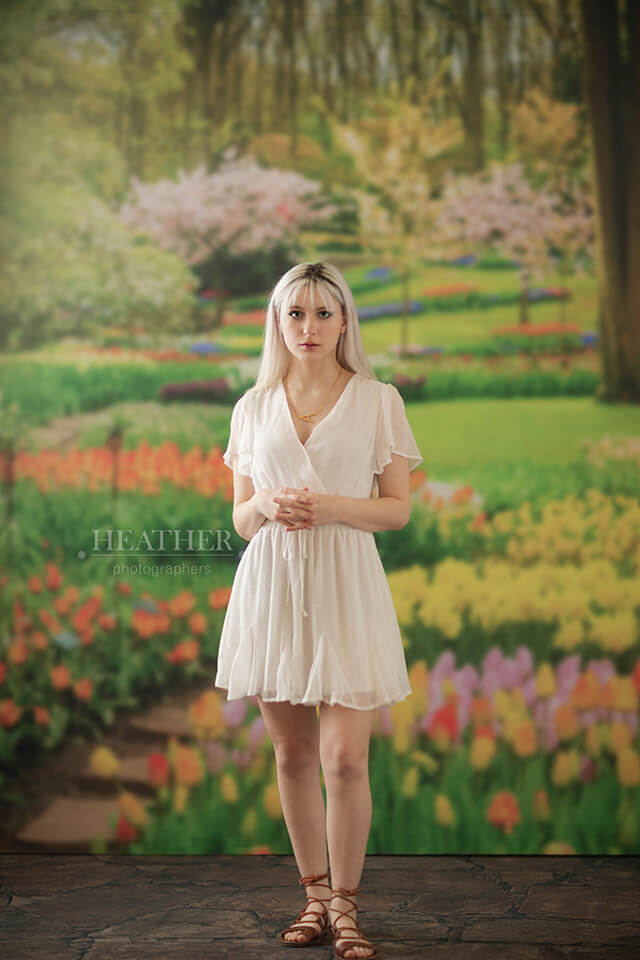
294,306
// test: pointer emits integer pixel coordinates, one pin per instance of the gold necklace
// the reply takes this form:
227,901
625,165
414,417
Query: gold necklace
307,416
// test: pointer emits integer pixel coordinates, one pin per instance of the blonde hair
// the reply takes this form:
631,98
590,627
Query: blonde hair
328,280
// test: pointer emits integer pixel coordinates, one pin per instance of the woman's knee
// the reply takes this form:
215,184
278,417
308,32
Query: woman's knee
293,730
344,763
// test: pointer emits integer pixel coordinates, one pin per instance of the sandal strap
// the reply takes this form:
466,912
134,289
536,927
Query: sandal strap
343,894
339,932
306,881
314,879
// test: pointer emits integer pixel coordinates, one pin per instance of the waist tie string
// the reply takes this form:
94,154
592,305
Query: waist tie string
296,572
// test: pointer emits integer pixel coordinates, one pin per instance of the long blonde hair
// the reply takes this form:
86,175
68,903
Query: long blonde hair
328,280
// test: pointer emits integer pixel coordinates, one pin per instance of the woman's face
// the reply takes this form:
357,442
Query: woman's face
314,318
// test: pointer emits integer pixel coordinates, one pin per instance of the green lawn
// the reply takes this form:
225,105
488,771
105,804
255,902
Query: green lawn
543,430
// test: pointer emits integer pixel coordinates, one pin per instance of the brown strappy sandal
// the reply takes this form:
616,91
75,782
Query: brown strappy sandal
339,932
315,935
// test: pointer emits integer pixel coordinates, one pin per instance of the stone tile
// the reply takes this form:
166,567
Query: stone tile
554,932
591,903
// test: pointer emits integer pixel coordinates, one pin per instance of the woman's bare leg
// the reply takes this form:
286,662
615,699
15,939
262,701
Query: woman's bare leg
344,753
294,732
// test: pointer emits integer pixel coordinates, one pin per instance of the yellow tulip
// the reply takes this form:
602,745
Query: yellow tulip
628,767
410,782
132,809
482,752
620,735
104,763
565,767
228,788
545,680
443,810
424,760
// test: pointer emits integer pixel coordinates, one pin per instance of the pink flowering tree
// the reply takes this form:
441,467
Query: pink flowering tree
501,210
239,208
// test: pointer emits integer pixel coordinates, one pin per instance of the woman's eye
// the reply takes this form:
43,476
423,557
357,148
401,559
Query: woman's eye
291,312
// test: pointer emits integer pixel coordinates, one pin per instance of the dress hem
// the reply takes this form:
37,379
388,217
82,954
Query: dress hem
315,703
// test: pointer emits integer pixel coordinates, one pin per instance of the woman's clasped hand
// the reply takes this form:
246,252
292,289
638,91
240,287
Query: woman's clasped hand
296,509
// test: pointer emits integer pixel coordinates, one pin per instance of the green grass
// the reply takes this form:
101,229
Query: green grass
547,430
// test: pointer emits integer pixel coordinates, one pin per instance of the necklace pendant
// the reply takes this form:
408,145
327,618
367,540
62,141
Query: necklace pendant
306,416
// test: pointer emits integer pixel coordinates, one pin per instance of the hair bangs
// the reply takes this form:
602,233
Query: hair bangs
299,289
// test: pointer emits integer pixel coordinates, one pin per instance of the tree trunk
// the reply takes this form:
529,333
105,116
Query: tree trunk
474,85
612,82
405,311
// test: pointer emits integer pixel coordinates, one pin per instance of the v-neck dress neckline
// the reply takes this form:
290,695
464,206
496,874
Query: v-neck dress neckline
320,422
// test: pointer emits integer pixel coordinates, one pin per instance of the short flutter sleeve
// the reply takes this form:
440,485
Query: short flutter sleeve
240,437
393,433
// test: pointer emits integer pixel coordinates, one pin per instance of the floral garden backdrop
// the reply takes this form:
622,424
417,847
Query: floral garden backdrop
467,164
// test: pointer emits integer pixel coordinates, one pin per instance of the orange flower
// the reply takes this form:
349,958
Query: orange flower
525,741
206,716
35,584
62,605
39,640
83,689
41,716
189,768
197,623
106,621
3,671
586,691
54,577
182,603
60,677
144,623
481,711
10,713
18,651
184,652
219,598
503,811
124,588
566,721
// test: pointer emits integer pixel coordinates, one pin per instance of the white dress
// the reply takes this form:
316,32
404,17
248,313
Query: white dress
310,618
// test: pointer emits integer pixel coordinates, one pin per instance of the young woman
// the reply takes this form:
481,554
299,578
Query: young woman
310,621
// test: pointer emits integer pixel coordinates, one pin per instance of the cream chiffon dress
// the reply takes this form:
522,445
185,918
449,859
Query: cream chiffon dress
310,618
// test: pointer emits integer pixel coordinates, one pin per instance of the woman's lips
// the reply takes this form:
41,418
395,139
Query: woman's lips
309,346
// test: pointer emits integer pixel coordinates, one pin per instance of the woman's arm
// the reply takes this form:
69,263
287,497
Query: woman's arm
247,516
390,511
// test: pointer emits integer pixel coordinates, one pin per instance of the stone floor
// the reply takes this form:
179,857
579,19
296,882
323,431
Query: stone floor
85,907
